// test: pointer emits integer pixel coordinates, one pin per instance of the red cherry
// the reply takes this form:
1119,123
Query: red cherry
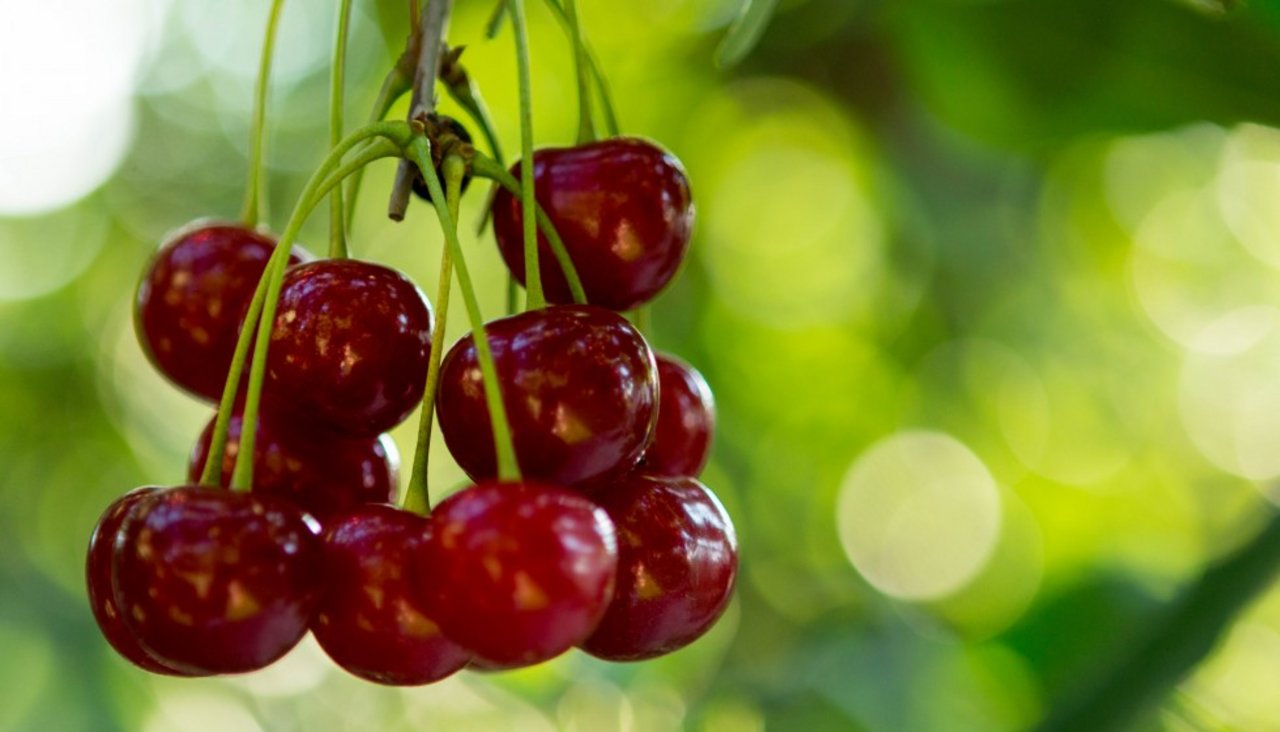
193,296
520,572
581,390
322,473
622,207
686,419
371,620
213,581
677,559
98,577
350,346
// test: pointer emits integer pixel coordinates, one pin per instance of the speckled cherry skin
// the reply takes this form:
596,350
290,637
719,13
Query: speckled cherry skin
624,210
677,561
686,420
323,473
350,346
99,569
581,390
520,572
372,619
192,297
213,581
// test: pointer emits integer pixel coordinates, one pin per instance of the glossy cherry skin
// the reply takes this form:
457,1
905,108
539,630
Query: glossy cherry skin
581,390
677,561
213,581
622,207
520,572
686,420
350,346
192,297
372,619
321,472
99,570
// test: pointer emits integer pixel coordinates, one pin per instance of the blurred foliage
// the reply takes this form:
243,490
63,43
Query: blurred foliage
988,292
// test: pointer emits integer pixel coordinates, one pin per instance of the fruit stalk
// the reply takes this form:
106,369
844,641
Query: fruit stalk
337,81
255,204
532,273
432,29
1188,632
586,128
504,447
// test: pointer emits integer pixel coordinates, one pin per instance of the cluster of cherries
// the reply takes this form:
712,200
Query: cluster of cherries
608,542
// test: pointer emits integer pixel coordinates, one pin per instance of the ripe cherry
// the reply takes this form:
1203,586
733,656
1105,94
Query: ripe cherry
519,572
622,207
320,472
99,571
677,559
213,581
686,419
580,387
193,296
350,346
372,620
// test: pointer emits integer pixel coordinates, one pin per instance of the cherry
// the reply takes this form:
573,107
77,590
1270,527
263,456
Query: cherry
214,581
192,297
99,571
321,472
371,620
622,207
519,572
580,387
686,418
350,346
677,559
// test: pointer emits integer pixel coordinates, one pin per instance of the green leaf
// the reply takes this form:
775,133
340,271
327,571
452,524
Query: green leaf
745,32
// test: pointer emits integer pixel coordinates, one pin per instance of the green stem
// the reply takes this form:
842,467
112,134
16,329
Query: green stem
532,273
494,26
255,205
418,497
317,187
337,83
586,128
513,295
1186,634
642,317
593,65
508,468
395,85
486,168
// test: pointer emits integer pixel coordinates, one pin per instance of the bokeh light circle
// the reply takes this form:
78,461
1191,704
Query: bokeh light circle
919,515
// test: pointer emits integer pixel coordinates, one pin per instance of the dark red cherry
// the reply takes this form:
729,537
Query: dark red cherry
677,559
350,346
98,577
519,572
581,390
686,418
192,297
213,581
622,207
372,619
321,472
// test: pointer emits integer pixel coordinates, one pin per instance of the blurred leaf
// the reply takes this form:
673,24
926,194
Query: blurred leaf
745,32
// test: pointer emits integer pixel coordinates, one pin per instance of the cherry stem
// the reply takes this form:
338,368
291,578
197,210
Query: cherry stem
337,82
396,84
504,447
486,168
532,274
642,317
319,185
593,66
418,498
586,128
255,204
432,29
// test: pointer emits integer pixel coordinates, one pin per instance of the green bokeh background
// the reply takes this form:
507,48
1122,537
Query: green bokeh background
988,292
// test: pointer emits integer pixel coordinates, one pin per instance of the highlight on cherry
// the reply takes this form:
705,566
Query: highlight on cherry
585,526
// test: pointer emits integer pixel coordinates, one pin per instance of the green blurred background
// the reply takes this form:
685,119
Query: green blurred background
988,292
